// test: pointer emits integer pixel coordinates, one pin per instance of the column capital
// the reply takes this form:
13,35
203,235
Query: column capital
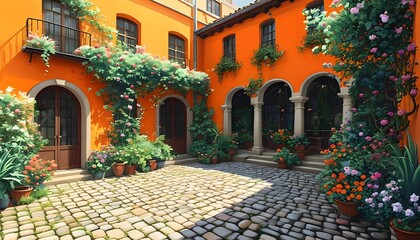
298,99
226,107
256,103
344,95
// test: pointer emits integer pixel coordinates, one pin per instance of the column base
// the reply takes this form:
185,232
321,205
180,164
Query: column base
258,149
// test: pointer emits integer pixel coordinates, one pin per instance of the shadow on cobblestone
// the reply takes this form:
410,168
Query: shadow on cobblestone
231,200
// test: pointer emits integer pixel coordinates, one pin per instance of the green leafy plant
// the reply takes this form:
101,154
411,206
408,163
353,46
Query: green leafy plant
297,140
45,43
225,65
314,36
162,150
267,55
281,136
99,161
285,155
405,163
253,86
10,172
138,150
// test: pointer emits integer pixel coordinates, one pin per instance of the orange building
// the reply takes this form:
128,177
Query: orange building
299,92
72,117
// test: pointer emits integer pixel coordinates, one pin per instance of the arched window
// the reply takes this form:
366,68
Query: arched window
268,33
127,31
176,49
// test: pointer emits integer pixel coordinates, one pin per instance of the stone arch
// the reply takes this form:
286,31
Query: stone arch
189,115
270,82
227,110
305,85
85,145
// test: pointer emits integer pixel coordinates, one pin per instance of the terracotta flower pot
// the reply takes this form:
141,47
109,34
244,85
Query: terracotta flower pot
153,165
130,169
404,235
214,160
118,169
19,192
283,165
347,208
232,151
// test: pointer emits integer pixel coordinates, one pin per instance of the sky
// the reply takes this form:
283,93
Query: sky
241,3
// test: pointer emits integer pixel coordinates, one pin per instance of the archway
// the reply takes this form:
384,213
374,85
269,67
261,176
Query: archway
242,119
85,121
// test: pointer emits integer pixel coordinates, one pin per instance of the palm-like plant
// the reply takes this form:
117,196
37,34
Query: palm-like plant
405,162
10,172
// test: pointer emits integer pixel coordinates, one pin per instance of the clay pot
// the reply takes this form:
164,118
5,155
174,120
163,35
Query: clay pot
404,235
130,169
232,151
283,165
347,208
214,160
118,169
153,165
19,192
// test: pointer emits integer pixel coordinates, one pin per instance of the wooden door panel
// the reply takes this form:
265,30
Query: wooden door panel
173,124
69,158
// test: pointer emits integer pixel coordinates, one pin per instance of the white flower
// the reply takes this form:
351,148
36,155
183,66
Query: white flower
9,89
409,213
397,207
414,198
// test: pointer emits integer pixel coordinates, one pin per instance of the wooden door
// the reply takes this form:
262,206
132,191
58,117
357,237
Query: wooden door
173,124
59,120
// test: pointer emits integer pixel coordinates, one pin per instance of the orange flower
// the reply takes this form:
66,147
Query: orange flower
352,195
347,186
339,186
359,188
332,146
333,175
278,150
339,144
362,184
363,176
343,191
358,197
329,193
348,198
356,183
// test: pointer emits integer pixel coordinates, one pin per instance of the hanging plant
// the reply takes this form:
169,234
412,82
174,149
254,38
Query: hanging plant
253,86
226,65
267,55
45,43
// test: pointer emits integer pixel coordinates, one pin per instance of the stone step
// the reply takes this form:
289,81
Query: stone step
264,162
306,169
69,176
315,157
314,164
181,161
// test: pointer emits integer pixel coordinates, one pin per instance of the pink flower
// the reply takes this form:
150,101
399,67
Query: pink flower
404,2
354,10
413,92
122,59
391,114
393,78
360,5
98,55
373,50
372,37
401,112
132,86
411,47
399,30
384,122
361,134
361,95
126,96
401,52
368,138
17,111
384,54
384,17
130,107
406,77
411,2
376,92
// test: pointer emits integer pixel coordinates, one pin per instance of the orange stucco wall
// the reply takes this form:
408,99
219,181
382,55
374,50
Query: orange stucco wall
156,19
294,67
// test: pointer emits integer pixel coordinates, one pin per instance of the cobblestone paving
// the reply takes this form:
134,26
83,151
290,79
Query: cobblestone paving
225,201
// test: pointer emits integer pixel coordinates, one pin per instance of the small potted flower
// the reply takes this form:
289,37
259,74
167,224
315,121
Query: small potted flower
162,151
98,163
286,158
298,143
281,137
37,171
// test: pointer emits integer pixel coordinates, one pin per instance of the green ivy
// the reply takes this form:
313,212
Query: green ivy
267,55
225,65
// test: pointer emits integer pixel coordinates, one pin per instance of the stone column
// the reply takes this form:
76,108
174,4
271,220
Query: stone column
227,119
347,104
299,124
258,146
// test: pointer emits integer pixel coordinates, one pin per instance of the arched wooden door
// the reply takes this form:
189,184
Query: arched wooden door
173,124
59,120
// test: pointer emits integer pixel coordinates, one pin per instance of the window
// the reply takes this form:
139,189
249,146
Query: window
213,7
268,34
127,31
316,8
176,49
229,47
60,26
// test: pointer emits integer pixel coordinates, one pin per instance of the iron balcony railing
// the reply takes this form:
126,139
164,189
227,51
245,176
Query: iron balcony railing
67,39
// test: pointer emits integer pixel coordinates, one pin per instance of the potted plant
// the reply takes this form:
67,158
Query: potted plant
253,86
98,162
162,151
10,175
225,65
45,43
117,159
267,55
38,171
243,138
298,143
137,152
281,137
286,158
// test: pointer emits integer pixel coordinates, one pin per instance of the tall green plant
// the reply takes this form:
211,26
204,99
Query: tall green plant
405,162
10,171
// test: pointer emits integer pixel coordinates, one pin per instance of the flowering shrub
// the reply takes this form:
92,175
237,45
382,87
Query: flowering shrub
297,140
37,171
281,136
99,161
285,155
17,129
314,33
45,43
408,218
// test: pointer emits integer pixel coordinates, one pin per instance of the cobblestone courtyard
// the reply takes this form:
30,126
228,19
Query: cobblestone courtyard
231,200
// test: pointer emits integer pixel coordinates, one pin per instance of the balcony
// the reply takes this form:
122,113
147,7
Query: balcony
67,39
